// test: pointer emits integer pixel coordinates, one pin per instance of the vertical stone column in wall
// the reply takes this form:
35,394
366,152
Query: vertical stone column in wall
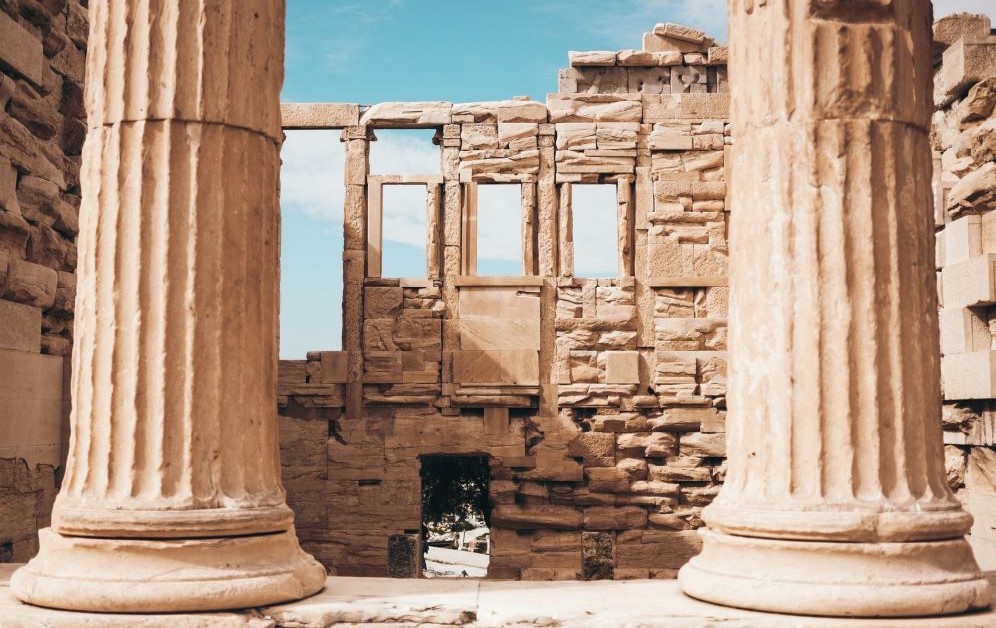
172,499
836,501
547,261
354,259
452,245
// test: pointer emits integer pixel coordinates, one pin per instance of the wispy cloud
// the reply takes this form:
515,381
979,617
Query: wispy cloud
312,178
621,25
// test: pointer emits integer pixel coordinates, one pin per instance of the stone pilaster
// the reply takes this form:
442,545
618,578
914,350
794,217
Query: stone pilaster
172,497
836,500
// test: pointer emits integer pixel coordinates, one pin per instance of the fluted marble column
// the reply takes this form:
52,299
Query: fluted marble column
172,497
836,500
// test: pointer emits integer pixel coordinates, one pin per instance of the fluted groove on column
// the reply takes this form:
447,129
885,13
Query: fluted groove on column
172,499
836,500
189,429
163,60
843,386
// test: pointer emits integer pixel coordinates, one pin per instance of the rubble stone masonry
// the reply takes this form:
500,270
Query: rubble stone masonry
42,126
964,144
600,402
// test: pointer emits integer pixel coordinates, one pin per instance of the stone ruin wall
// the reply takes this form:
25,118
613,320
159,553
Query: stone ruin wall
599,402
42,126
964,143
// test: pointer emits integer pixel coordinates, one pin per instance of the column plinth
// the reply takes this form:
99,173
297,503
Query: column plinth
836,501
172,499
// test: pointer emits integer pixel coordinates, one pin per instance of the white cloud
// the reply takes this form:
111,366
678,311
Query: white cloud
621,25
499,222
312,178
594,221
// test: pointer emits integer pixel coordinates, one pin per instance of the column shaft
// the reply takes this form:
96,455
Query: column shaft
172,499
835,447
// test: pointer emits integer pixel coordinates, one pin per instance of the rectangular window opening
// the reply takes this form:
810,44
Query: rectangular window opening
499,230
311,242
595,231
456,516
404,151
405,231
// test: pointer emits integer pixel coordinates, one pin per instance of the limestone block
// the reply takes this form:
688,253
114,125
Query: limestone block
969,375
614,518
522,111
687,106
679,32
718,55
407,114
32,284
964,63
962,239
963,331
596,58
637,58
382,367
478,136
37,114
20,327
651,444
970,283
536,517
688,79
496,367
576,136
653,42
334,367
949,29
382,301
8,187
607,479
31,407
484,334
593,446
491,302
518,135
622,367
705,445
331,115
975,191
594,108
404,556
979,103
649,80
20,50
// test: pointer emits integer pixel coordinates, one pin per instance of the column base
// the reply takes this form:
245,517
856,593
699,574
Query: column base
163,576
836,579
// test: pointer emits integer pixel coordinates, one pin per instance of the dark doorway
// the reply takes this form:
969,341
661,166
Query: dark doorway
456,516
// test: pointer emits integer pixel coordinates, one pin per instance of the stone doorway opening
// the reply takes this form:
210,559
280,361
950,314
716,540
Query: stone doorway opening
456,516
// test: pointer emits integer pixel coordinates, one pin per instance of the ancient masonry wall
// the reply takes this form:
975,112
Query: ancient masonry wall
599,402
42,126
964,142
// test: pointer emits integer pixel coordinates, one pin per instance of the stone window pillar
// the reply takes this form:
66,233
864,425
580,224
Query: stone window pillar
172,499
836,501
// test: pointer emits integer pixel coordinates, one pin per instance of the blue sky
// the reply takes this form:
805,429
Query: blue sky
369,51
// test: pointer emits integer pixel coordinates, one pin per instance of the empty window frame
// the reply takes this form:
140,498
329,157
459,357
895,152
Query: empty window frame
499,233
311,242
499,230
404,151
591,230
403,226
